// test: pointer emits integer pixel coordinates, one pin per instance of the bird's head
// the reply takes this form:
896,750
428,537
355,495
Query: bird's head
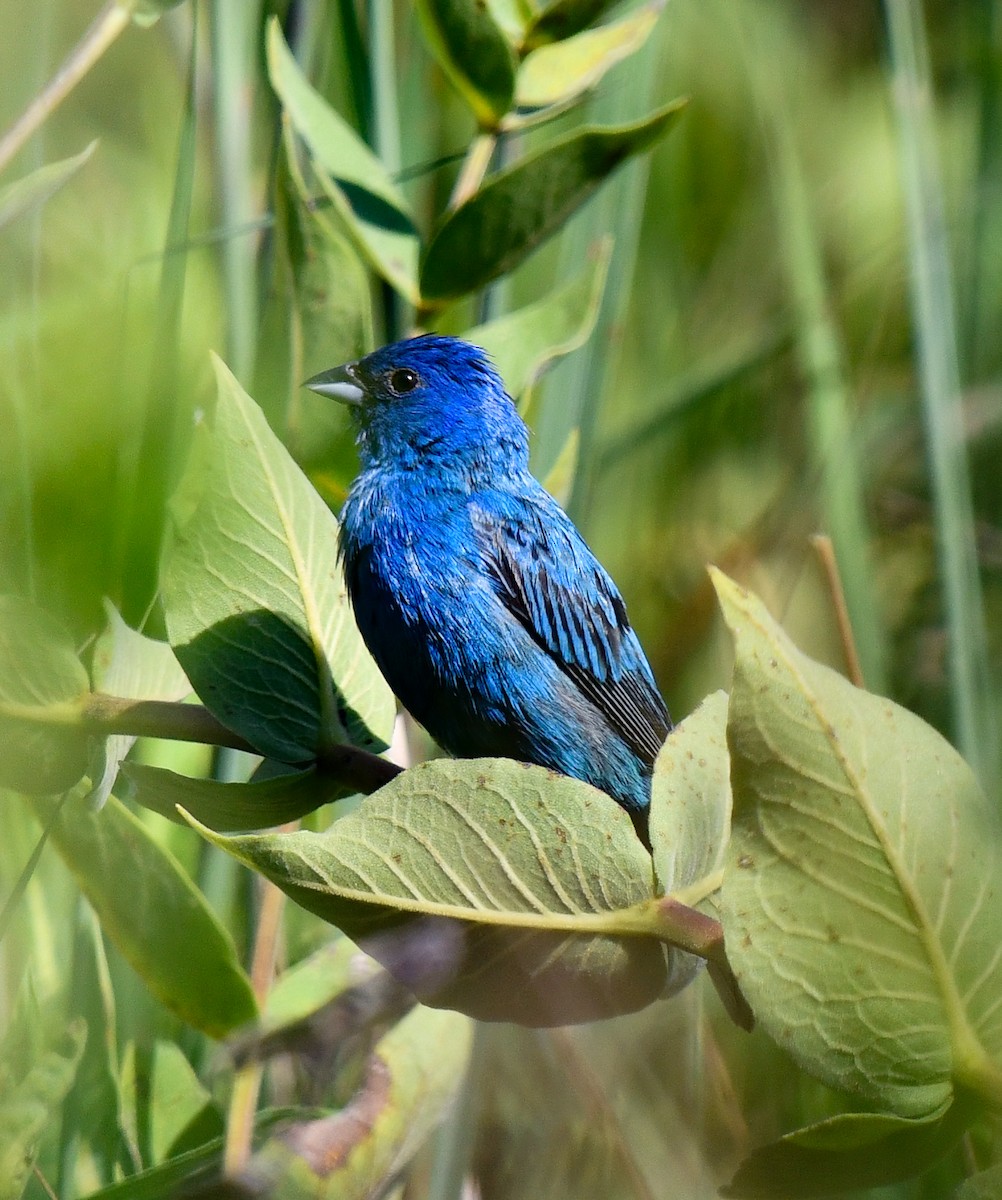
428,398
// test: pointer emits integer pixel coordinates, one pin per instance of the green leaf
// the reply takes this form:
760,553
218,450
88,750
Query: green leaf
986,1185
148,12
844,1153
474,53
558,73
370,206
409,1085
559,481
562,19
525,342
24,195
861,897
154,914
39,670
255,602
529,869
518,208
313,982
177,1100
28,1107
132,666
226,807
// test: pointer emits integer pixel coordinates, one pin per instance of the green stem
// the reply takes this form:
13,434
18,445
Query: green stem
107,25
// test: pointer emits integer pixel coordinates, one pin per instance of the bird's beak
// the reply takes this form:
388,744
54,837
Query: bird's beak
340,383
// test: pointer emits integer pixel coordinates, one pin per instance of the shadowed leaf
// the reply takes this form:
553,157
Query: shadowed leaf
474,54
861,897
33,190
255,601
562,19
520,207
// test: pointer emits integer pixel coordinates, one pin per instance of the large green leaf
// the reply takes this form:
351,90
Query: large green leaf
255,602
474,54
39,670
371,207
33,190
28,1106
525,342
520,207
409,1083
560,19
520,871
154,914
557,73
862,898
845,1153
135,667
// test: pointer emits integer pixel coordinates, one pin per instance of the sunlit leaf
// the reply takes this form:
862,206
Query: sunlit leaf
39,669
255,601
473,52
862,899
518,208
555,74
533,865
407,1088
154,914
525,342
846,1153
28,1106
225,807
33,190
370,205
135,667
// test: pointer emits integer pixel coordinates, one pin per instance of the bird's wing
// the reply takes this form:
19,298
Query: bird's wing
552,584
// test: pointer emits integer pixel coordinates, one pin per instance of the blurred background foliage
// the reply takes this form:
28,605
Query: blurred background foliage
755,376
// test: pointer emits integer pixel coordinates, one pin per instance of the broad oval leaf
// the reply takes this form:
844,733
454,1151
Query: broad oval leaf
39,671
519,873
255,601
525,342
156,917
845,1153
862,896
135,667
518,208
408,1085
473,52
371,207
33,190
558,73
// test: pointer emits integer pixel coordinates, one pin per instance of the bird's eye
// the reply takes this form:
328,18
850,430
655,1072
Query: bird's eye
403,380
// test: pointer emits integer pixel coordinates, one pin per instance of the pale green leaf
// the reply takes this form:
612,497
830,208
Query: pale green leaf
135,667
525,342
369,204
39,670
986,1185
24,195
408,1086
559,481
153,913
29,1106
562,71
474,53
314,982
255,601
529,868
520,207
148,12
845,1153
862,897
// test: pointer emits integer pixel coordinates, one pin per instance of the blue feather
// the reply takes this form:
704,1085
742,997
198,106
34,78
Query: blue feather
485,610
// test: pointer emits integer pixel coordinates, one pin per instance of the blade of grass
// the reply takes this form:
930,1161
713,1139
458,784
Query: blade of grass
939,385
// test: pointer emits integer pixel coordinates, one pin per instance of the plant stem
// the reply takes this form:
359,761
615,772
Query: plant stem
825,550
106,27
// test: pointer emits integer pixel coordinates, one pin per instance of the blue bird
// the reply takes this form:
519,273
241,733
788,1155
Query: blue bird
489,617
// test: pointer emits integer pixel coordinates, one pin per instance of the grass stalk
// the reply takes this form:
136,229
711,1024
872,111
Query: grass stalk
939,386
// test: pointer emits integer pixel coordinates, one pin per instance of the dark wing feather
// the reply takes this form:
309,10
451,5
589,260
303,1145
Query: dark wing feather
551,583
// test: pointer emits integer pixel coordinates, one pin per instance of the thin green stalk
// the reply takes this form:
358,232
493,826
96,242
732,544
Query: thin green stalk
234,31
939,385
384,133
102,33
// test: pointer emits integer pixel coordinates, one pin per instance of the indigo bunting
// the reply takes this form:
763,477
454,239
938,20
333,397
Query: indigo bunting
489,617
